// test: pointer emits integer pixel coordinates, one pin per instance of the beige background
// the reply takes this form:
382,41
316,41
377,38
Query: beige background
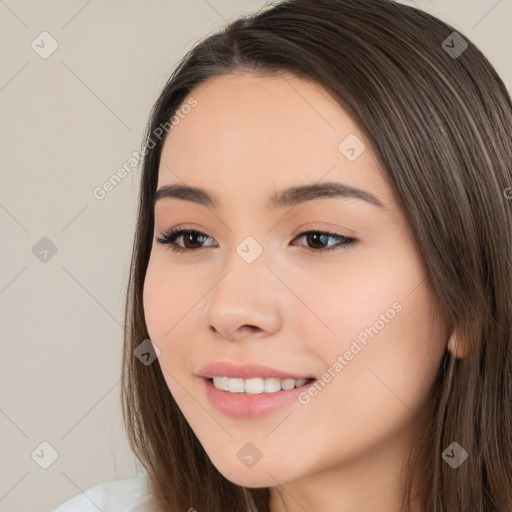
68,123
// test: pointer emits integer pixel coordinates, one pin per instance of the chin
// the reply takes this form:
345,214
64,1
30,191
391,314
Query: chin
249,478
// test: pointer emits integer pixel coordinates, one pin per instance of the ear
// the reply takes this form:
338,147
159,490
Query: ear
456,347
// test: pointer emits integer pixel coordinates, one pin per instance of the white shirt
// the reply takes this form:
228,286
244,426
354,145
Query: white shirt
116,496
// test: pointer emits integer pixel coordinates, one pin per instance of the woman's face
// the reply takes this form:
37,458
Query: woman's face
250,289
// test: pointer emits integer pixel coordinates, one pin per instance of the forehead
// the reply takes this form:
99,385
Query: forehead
253,134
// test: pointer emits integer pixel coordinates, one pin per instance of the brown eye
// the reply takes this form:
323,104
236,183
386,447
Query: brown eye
318,241
191,239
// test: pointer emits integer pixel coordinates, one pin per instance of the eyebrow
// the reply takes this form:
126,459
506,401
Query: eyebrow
289,197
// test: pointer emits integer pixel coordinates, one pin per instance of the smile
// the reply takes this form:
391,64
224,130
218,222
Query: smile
256,385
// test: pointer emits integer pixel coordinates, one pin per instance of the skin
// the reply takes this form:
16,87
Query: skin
248,137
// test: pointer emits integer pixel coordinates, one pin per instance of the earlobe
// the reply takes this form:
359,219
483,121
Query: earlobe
454,347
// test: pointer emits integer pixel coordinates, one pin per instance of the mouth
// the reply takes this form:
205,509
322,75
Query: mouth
255,397
257,385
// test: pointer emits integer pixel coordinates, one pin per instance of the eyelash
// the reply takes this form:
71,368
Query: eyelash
169,238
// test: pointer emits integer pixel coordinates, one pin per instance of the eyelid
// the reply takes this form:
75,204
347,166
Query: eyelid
309,226
330,227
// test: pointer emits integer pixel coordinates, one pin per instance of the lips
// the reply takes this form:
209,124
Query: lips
245,406
247,371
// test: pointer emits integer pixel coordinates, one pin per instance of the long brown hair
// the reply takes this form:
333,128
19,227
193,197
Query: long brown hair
439,120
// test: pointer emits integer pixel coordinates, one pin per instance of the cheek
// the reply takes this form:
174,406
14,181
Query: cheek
391,362
363,298
384,321
168,310
155,302
167,303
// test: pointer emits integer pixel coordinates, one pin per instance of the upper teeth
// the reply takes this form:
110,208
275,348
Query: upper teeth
256,385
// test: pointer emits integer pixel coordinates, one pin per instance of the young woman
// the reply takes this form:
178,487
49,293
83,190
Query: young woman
319,313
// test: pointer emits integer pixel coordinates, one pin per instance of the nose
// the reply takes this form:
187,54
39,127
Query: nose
244,302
